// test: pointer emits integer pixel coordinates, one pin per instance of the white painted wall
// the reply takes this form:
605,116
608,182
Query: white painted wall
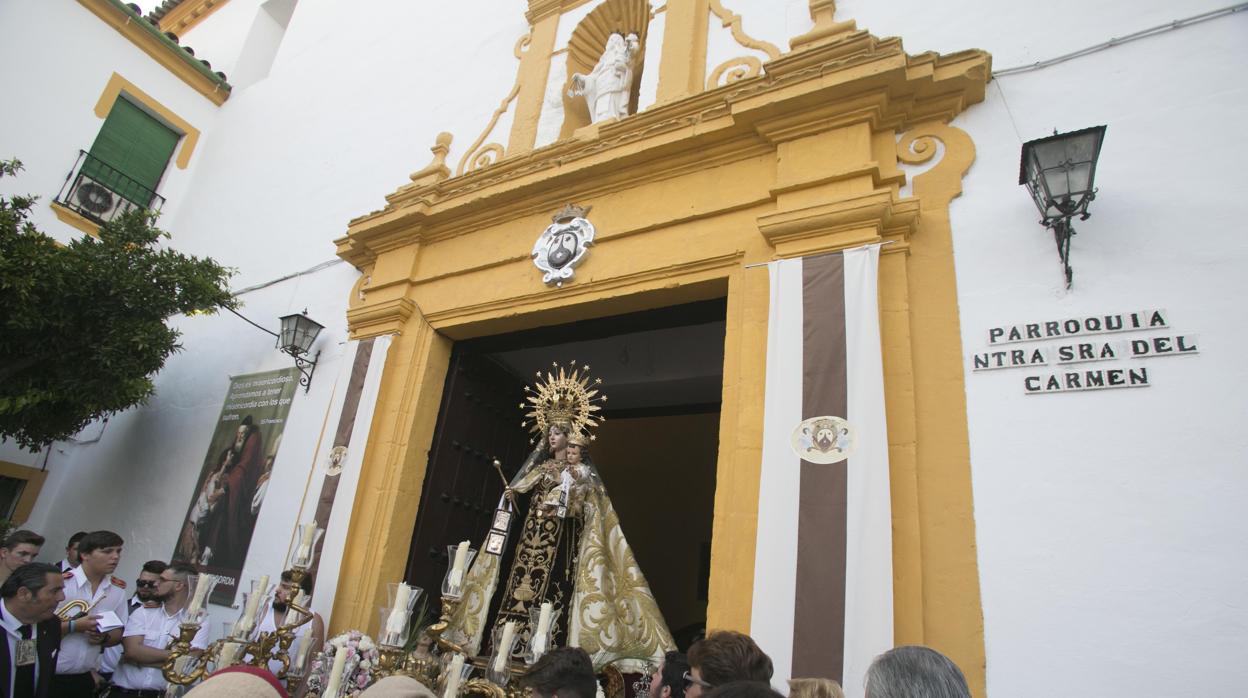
1109,523
56,58
137,479
353,102
220,37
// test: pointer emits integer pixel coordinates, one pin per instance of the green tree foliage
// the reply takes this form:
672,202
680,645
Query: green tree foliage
82,326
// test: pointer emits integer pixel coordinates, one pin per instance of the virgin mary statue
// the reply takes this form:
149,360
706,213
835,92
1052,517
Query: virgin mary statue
570,551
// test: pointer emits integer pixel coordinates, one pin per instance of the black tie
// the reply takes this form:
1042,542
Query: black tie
24,677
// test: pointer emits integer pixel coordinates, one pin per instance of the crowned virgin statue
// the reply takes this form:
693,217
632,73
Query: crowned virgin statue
570,552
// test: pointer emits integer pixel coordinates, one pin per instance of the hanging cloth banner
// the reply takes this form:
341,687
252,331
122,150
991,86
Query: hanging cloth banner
823,578
234,477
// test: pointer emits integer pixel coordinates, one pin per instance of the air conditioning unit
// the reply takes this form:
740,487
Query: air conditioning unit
97,200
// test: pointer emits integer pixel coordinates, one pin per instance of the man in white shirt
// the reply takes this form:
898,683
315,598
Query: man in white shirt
71,552
277,614
144,595
149,633
91,593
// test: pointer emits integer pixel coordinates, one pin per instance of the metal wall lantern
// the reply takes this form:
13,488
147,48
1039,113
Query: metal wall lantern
297,335
1060,171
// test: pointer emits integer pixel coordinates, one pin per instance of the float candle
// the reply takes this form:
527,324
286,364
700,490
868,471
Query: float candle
398,614
453,677
457,569
307,533
335,674
543,629
197,600
504,647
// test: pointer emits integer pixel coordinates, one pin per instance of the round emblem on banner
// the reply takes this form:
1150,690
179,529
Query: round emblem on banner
823,439
337,456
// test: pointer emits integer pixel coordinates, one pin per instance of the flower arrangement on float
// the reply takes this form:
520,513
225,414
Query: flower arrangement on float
346,666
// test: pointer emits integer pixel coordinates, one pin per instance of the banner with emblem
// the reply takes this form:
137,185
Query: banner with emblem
216,532
823,579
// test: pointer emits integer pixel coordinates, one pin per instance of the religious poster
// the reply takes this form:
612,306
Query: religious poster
216,532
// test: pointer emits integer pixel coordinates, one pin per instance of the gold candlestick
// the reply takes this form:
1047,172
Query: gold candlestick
181,648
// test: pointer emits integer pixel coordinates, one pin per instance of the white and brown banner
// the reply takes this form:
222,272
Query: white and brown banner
823,580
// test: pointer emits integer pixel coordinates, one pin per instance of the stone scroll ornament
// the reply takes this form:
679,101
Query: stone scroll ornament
563,245
823,440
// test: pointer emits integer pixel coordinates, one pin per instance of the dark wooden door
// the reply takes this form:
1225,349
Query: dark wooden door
479,420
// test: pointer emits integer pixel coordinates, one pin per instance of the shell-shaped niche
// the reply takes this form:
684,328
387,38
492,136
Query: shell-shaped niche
589,40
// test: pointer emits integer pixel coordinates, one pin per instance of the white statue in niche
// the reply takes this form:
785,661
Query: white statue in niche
608,87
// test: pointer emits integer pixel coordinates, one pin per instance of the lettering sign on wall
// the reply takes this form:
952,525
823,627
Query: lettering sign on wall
1070,358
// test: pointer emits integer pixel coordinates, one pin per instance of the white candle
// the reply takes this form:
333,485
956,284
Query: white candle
307,534
335,674
504,646
454,674
398,614
293,616
197,600
229,652
248,613
457,569
301,652
543,629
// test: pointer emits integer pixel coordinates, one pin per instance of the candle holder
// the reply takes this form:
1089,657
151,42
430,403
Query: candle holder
453,584
304,554
175,668
252,601
499,670
449,606
540,641
450,684
397,617
274,646
229,653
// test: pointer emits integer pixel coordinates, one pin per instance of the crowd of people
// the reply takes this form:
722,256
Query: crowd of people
74,631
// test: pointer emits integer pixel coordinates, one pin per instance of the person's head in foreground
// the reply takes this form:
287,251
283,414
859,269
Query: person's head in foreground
815,688
723,657
914,671
566,672
744,689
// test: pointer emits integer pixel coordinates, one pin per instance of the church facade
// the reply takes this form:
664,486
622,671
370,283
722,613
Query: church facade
1062,462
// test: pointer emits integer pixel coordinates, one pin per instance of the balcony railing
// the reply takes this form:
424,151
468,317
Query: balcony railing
101,192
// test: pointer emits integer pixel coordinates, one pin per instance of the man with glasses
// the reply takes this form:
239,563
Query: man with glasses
144,595
723,657
668,680
150,631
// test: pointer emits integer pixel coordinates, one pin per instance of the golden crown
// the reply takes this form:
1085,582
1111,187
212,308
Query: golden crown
564,396
579,439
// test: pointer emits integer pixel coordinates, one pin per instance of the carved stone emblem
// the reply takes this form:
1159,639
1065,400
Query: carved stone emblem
562,246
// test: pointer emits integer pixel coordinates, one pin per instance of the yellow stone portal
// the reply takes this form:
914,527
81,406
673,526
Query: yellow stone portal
801,158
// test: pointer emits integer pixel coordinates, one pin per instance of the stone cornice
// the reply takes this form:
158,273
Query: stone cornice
800,92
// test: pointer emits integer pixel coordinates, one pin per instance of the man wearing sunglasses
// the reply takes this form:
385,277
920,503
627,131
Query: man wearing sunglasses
144,595
723,657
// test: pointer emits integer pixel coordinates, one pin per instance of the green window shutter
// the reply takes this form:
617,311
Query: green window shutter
131,152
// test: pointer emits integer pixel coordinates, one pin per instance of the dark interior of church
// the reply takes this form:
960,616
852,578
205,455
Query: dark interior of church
656,451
